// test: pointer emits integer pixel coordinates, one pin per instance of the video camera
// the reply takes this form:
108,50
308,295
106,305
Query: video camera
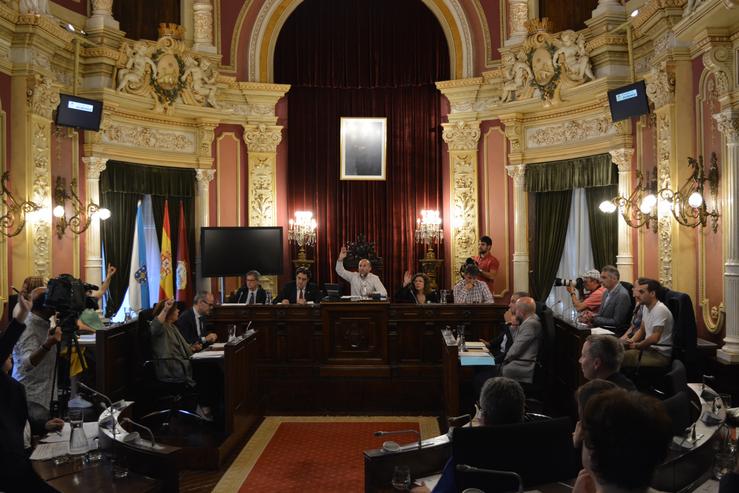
67,296
578,283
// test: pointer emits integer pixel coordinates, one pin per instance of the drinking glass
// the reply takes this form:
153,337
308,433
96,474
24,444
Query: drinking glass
444,293
232,333
723,464
268,298
119,466
725,400
78,443
402,478
363,292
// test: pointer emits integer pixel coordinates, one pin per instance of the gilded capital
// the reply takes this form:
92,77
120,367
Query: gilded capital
206,135
94,166
719,61
518,173
514,133
204,176
42,96
461,135
728,124
622,157
262,137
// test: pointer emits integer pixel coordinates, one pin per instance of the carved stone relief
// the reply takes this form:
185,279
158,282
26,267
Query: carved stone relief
41,186
545,64
262,138
203,22
167,72
206,134
461,135
661,85
148,138
42,96
464,206
569,132
719,61
664,224
262,191
622,157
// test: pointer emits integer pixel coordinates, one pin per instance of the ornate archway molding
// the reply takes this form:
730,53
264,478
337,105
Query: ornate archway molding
273,14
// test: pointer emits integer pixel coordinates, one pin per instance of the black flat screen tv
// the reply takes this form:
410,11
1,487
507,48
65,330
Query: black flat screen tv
234,251
628,101
77,112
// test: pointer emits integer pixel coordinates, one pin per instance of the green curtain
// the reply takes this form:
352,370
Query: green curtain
603,227
122,185
551,213
555,176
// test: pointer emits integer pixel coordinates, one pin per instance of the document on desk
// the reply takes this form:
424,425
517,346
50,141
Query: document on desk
476,358
208,355
601,331
218,345
46,451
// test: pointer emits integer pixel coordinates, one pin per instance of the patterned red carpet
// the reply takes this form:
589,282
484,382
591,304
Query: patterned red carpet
290,454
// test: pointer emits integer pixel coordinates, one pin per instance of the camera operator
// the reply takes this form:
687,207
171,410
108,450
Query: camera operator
34,358
592,300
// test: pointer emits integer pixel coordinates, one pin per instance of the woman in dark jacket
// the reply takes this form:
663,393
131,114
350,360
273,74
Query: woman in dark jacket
416,289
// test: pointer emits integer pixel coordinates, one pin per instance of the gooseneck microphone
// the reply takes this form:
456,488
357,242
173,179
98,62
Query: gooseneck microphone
493,472
106,399
400,432
139,425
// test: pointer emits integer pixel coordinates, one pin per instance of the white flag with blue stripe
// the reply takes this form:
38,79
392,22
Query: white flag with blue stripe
151,242
138,283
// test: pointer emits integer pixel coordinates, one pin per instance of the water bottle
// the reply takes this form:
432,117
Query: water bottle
460,339
268,298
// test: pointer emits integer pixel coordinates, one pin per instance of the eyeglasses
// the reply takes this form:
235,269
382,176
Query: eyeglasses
209,304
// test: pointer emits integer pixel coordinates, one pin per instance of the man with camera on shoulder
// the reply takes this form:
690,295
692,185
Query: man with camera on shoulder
593,298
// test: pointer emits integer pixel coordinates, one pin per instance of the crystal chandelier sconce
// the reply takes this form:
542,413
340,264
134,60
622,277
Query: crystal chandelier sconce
302,231
429,231
15,212
82,215
692,205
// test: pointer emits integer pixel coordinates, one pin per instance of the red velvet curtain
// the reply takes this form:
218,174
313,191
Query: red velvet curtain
364,58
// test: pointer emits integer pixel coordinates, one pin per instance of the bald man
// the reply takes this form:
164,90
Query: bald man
363,282
520,360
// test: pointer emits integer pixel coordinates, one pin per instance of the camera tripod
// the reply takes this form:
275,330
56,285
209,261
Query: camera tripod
68,346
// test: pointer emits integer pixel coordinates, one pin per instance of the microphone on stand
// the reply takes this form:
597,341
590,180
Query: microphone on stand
398,432
105,398
139,425
493,472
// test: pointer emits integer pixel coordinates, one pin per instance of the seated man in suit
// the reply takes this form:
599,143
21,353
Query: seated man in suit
499,346
502,402
299,291
601,358
192,322
520,360
653,340
615,309
251,293
626,435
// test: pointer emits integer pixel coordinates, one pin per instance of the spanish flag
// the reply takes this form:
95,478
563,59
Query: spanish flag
166,276
184,286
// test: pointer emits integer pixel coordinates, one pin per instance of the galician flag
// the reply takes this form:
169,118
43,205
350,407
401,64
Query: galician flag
183,277
153,260
166,275
138,281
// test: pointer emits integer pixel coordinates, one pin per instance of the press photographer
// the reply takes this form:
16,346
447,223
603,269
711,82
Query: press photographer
591,296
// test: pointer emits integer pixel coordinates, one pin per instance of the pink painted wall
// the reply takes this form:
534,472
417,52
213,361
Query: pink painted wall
650,260
62,249
495,195
79,6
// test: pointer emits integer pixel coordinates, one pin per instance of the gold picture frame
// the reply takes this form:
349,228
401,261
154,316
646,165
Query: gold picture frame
363,148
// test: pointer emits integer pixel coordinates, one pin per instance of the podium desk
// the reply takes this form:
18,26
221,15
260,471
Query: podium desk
354,356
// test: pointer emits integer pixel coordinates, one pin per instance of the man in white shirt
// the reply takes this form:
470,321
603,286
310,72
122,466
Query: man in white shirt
654,337
363,282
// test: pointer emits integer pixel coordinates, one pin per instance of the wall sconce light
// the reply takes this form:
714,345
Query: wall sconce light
302,231
429,231
687,205
83,215
12,222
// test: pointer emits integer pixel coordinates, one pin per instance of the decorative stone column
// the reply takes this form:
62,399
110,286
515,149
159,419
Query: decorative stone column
625,258
93,254
518,14
661,91
261,142
728,124
202,219
102,16
202,14
42,98
520,228
462,138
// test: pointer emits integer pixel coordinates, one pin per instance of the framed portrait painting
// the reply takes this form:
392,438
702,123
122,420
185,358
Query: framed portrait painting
363,148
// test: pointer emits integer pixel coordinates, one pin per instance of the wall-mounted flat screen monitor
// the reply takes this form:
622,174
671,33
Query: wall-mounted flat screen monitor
234,251
77,112
628,101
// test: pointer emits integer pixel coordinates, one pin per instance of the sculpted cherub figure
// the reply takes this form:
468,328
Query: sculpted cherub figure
135,68
203,79
573,57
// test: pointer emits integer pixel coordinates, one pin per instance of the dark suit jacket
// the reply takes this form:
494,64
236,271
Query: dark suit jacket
188,327
405,295
290,292
242,295
495,343
615,310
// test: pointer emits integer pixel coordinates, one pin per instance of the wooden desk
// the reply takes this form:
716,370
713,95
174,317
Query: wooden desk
115,360
354,356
